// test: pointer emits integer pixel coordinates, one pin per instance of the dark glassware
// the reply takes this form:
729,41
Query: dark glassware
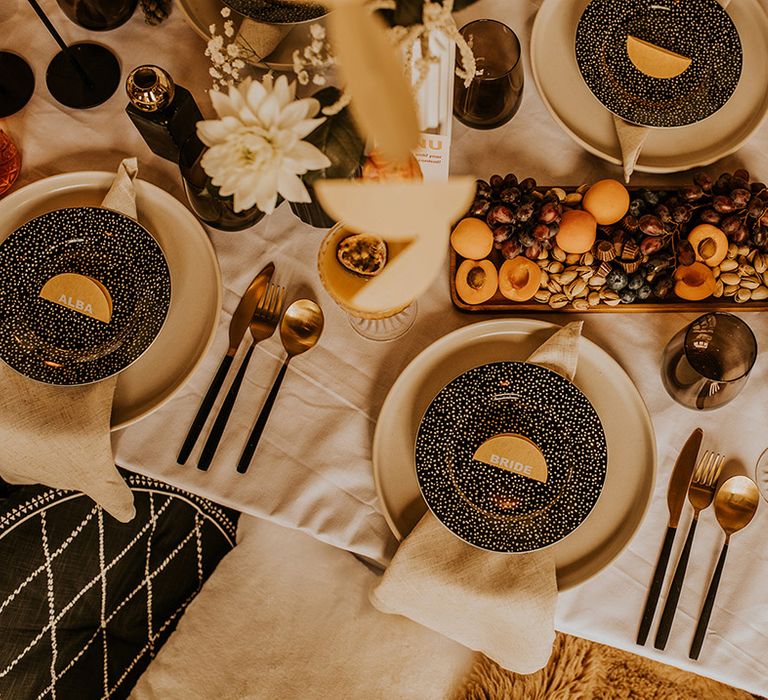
99,15
494,95
164,113
311,212
210,207
17,83
707,363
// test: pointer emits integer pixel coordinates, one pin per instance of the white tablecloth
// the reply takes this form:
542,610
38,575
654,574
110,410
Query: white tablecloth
313,467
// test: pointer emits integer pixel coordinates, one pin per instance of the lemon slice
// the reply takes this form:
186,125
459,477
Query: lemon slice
513,453
79,293
654,60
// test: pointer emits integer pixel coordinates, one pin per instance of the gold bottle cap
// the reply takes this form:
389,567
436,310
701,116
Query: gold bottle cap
149,88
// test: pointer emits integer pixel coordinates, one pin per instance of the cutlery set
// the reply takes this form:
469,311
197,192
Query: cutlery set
735,503
259,310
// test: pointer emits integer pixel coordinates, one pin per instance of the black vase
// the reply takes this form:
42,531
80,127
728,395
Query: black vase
311,212
99,15
206,203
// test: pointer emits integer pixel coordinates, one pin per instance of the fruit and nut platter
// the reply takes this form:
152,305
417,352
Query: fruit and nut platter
603,247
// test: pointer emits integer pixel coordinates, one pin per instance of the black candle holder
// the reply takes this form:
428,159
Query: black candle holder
82,75
17,83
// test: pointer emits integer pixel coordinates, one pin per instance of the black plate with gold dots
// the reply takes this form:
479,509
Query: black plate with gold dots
83,293
285,12
660,63
496,506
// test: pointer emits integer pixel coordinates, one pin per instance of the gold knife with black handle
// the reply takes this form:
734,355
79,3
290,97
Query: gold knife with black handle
237,327
676,492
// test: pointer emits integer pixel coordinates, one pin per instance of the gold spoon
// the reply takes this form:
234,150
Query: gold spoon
300,330
735,505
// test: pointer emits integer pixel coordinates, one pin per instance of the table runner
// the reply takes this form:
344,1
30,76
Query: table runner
318,478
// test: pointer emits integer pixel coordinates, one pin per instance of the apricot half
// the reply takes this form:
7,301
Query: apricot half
476,281
694,282
519,279
578,230
472,239
709,243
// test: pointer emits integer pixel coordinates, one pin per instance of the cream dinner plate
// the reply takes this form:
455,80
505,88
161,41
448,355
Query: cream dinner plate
195,279
590,124
628,431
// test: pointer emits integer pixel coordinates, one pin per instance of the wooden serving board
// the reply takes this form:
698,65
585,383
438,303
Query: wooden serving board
499,304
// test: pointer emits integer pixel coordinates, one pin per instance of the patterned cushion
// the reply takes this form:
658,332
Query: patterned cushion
85,601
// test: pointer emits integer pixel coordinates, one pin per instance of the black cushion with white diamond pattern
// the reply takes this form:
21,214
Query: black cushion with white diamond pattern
85,601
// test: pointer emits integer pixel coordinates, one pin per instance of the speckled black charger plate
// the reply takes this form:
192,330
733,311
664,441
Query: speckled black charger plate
492,508
55,344
277,11
698,29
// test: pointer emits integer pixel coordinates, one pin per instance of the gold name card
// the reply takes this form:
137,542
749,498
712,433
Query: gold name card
514,453
654,60
80,293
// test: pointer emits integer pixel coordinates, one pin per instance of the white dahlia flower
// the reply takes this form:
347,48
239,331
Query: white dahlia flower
256,148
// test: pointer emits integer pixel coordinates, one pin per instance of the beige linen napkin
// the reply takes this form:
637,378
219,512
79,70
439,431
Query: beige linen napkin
261,38
502,605
60,435
632,137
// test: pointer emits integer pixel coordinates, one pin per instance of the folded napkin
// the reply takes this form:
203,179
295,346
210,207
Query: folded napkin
502,605
60,435
261,38
632,137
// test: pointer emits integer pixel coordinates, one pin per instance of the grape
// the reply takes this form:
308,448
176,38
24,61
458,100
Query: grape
657,264
526,239
730,225
762,195
649,196
533,251
548,213
541,232
525,212
650,225
740,197
710,216
510,180
741,174
740,235
723,204
651,245
692,193
499,214
685,253
497,245
760,237
483,189
497,181
629,223
756,208
511,249
528,184
503,232
616,280
627,296
636,207
704,181
635,281
644,292
510,195
663,287
682,213
757,186
663,213
479,208
554,229
723,182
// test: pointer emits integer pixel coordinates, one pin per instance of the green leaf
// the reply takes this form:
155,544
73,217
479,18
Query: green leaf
339,139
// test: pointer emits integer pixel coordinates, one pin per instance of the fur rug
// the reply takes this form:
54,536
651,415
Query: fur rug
582,670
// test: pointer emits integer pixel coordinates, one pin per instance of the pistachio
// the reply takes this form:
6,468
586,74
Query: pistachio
580,304
716,271
555,267
554,286
743,250
542,296
544,279
596,281
759,293
760,264
587,259
559,191
730,290
543,255
609,295
577,288
573,198
745,270
742,295
733,251
581,189
719,288
612,302
558,301
593,298
728,265
572,258
765,277
558,253
750,283
730,278
752,255
567,277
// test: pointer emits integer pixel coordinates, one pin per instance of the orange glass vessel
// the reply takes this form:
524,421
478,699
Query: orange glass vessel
10,162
